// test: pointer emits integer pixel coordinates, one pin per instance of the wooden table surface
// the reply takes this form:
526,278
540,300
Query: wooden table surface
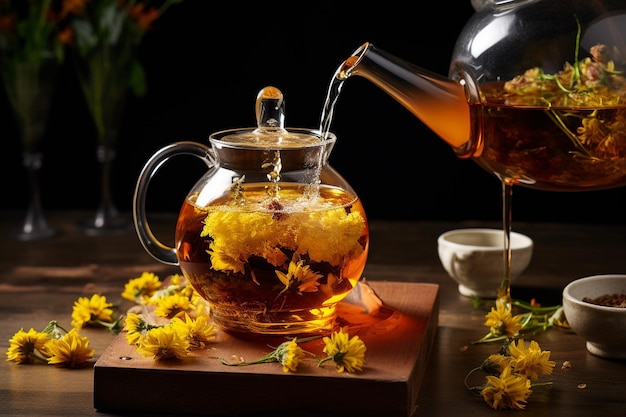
39,281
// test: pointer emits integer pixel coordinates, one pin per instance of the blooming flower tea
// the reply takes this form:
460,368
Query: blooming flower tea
274,264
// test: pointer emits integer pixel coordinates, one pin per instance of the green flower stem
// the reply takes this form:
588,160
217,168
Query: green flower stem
54,330
274,355
39,356
541,384
488,338
532,323
271,357
114,327
527,306
476,389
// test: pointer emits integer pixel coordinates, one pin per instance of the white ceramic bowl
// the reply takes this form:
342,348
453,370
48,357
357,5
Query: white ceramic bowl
602,327
474,258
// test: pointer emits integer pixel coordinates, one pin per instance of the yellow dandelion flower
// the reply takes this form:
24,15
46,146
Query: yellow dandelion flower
89,311
324,235
330,235
140,289
136,326
507,391
495,364
165,292
177,279
163,343
221,261
26,347
239,235
199,306
300,277
199,331
177,285
172,306
348,353
501,322
70,351
288,354
530,361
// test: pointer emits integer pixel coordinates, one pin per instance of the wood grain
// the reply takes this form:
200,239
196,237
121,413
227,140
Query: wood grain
398,345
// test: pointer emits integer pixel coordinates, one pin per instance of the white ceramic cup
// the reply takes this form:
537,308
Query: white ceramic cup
474,258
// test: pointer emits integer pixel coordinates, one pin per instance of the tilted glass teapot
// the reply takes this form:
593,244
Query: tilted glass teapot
536,92
271,235
536,95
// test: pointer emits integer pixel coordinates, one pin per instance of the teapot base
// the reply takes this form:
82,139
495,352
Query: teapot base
289,323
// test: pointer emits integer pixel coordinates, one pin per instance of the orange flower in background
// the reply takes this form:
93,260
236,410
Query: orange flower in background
107,34
33,36
144,17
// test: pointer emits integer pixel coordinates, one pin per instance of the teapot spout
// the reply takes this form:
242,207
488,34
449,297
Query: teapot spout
439,102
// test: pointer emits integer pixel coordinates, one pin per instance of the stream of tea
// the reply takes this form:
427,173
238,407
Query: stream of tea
333,93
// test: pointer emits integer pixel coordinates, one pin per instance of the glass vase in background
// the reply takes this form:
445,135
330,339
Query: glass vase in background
30,91
108,219
106,104
103,57
107,35
33,36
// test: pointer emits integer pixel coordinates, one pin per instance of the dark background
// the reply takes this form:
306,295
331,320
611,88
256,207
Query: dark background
205,65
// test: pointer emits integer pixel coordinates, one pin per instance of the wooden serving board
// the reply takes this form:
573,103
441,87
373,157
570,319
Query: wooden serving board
398,336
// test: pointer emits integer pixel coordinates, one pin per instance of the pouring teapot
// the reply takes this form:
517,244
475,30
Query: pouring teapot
536,91
271,235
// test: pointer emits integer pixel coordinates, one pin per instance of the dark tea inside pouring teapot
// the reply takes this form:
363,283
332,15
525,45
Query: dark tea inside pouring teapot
536,95
536,92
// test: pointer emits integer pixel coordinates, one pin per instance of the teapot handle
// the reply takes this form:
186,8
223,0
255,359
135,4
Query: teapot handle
151,244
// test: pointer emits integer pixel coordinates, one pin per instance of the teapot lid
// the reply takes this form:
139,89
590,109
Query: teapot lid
270,130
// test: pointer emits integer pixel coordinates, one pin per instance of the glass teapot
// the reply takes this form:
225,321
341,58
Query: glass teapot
536,91
271,235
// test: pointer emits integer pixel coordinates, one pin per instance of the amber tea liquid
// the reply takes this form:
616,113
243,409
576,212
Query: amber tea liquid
551,148
274,265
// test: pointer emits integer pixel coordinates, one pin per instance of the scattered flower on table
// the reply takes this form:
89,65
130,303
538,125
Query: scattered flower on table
135,327
503,324
94,311
71,350
199,332
53,345
168,321
507,391
142,288
288,354
530,360
163,343
347,353
27,346
172,340
513,372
